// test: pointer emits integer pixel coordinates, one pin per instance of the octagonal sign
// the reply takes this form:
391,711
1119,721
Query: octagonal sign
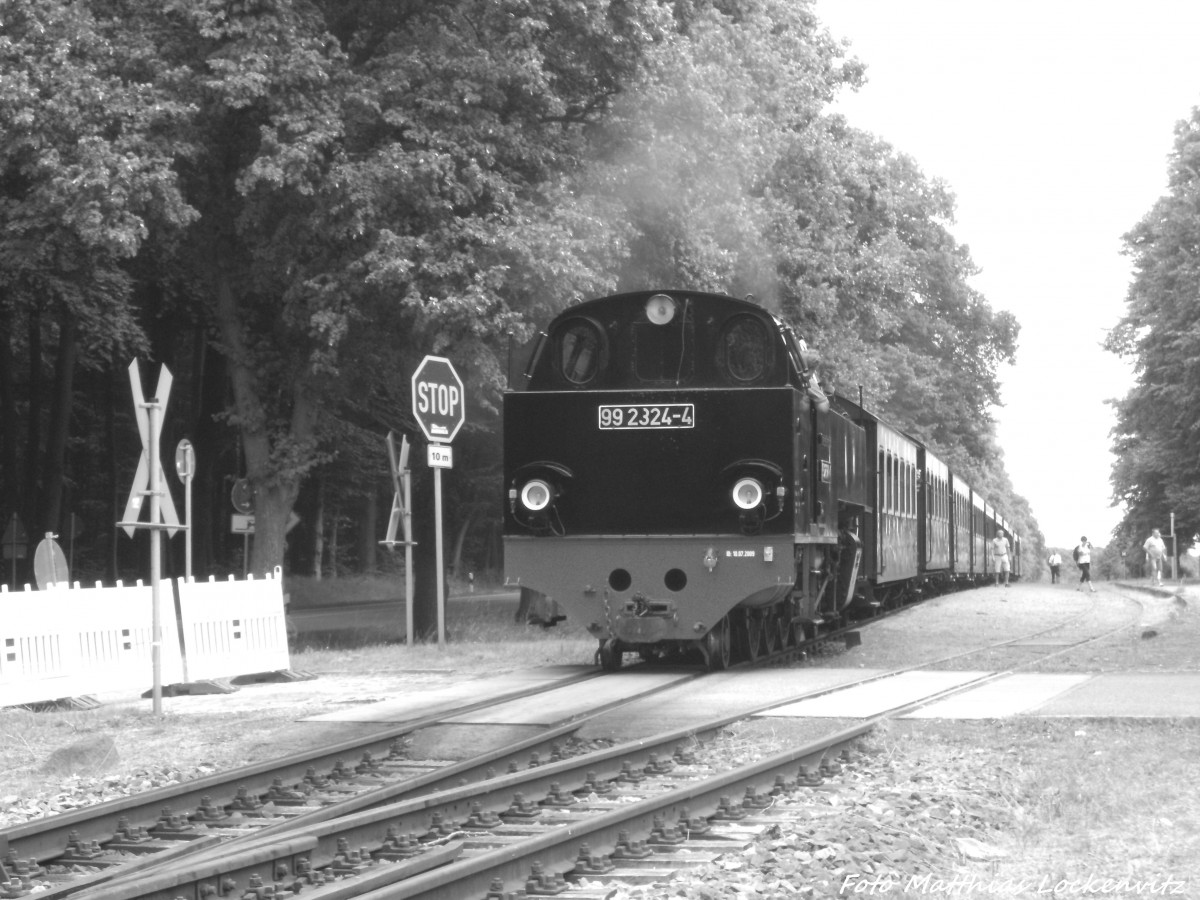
438,399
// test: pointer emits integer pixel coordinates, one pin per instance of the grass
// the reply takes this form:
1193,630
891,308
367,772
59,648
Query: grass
1079,799
477,630
305,591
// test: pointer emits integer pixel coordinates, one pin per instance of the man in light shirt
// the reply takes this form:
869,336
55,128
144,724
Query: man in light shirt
1000,560
1156,550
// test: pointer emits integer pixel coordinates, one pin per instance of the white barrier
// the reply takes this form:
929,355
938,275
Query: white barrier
233,628
70,642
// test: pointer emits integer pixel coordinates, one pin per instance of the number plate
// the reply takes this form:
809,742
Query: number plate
647,415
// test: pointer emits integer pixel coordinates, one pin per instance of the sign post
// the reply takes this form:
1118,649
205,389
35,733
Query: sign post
438,406
185,468
149,481
242,498
402,516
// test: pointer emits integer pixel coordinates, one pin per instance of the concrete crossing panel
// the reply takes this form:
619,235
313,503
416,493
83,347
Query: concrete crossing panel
1167,695
574,700
873,698
1006,696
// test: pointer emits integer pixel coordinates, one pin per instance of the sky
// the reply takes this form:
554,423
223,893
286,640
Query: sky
1051,121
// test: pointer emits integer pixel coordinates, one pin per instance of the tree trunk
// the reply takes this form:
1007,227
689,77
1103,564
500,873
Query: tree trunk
214,460
333,543
319,531
455,565
8,413
272,507
367,537
114,487
60,421
275,489
33,434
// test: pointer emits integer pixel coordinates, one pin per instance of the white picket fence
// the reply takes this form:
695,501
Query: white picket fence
69,641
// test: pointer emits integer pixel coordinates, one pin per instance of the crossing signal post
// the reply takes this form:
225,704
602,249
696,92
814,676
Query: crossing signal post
402,516
438,401
149,481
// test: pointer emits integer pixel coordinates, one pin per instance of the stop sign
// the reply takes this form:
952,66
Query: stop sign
438,399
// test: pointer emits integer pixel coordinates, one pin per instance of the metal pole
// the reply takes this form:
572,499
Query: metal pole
1174,554
441,587
155,546
408,558
187,532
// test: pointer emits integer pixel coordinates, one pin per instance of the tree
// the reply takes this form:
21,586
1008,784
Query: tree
294,201
1158,422
85,176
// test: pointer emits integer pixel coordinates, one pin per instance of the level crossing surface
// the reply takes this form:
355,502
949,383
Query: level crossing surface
679,697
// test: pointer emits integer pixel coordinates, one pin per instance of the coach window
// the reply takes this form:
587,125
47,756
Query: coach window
890,479
744,349
581,350
910,490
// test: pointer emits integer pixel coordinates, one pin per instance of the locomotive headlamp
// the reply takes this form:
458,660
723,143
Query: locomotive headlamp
748,493
536,495
660,309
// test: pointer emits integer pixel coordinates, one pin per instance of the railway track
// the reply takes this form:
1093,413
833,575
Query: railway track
456,832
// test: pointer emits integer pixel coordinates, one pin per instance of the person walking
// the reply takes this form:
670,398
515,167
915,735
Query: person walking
1156,551
1055,562
1000,561
1083,559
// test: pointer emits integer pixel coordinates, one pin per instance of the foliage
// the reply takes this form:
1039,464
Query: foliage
1158,422
85,170
293,202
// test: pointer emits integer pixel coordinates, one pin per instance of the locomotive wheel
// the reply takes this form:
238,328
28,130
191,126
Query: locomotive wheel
719,646
752,633
770,627
611,653
787,634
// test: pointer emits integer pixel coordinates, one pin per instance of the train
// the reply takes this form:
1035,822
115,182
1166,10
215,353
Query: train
679,484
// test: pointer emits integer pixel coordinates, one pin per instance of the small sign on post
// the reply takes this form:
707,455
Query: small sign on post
439,406
185,468
242,498
440,456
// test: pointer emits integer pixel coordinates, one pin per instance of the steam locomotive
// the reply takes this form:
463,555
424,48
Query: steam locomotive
678,481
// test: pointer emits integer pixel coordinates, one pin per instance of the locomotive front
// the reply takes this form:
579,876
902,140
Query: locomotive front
655,455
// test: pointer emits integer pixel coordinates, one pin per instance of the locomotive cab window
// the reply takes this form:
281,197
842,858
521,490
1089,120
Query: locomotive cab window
581,351
744,350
